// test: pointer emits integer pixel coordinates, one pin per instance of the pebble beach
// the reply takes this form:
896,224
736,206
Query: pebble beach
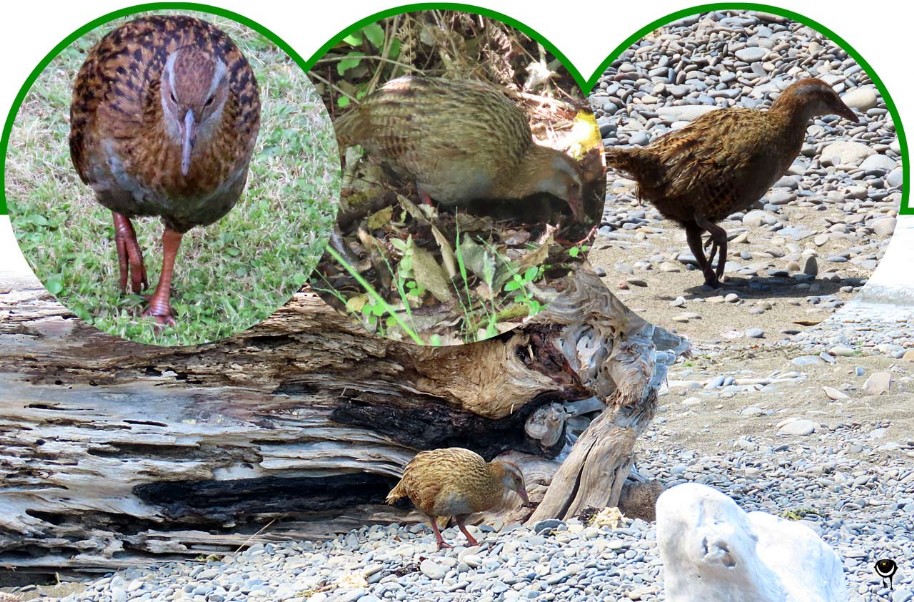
812,241
833,461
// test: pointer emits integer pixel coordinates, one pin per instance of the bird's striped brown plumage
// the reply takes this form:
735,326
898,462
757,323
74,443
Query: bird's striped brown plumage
163,122
456,482
724,161
461,140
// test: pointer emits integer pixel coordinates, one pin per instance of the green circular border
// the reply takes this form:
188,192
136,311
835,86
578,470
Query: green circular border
586,85
97,23
305,65
904,208
468,8
93,24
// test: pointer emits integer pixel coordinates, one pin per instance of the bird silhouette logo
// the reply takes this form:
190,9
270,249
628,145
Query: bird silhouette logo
886,569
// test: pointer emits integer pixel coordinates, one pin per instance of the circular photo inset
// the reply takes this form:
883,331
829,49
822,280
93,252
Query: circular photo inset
172,177
473,176
754,175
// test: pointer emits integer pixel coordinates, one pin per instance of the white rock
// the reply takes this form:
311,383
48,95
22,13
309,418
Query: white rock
842,351
800,427
845,152
833,393
713,550
432,569
685,112
751,54
863,99
757,217
878,162
877,383
883,227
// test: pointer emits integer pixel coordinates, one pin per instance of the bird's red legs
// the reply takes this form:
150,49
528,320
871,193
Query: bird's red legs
438,538
718,243
693,237
463,529
129,255
160,302
423,196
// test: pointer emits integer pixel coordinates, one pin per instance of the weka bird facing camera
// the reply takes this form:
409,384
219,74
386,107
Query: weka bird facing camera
723,162
460,140
164,118
456,482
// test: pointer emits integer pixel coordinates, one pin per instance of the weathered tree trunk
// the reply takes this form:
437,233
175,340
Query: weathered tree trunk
112,452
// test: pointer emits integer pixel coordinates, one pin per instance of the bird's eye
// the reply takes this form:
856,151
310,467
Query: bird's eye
209,101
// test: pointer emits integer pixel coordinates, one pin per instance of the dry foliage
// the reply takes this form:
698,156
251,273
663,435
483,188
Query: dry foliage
448,276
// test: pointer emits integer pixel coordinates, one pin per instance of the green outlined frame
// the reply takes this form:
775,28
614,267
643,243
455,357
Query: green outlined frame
586,85
905,208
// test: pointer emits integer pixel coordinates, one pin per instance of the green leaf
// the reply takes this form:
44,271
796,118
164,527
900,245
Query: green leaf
399,244
354,39
574,251
54,285
530,274
375,35
352,60
394,50
342,102
37,219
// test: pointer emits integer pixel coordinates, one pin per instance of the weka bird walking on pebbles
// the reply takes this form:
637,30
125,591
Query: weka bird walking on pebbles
723,162
461,140
456,482
163,122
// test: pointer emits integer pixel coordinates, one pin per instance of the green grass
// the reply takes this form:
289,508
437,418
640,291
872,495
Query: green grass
228,276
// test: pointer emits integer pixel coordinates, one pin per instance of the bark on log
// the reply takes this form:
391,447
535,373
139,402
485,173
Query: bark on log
112,451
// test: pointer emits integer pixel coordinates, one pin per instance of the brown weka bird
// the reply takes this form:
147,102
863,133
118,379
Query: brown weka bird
460,140
164,118
456,482
723,162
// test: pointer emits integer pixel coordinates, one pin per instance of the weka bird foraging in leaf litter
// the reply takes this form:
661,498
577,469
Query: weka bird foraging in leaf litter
456,482
163,122
461,140
723,162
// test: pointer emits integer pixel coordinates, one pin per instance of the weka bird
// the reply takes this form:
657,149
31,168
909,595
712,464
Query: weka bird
164,118
723,162
456,482
461,140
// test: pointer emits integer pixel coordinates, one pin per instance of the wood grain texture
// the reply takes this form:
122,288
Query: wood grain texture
112,450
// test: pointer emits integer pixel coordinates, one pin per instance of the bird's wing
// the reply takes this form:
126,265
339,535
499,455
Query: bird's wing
711,155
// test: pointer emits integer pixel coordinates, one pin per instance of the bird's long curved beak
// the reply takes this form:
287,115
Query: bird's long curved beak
848,113
523,495
577,208
187,144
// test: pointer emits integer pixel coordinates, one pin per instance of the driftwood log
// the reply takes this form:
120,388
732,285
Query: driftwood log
114,454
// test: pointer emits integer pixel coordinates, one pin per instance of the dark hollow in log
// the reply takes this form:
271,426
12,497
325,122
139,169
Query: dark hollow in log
432,426
223,501
113,453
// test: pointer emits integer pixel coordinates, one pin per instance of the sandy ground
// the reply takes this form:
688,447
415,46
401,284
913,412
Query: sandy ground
778,305
712,421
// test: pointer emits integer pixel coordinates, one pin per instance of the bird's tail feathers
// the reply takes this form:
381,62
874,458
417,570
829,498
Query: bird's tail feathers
396,494
625,159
